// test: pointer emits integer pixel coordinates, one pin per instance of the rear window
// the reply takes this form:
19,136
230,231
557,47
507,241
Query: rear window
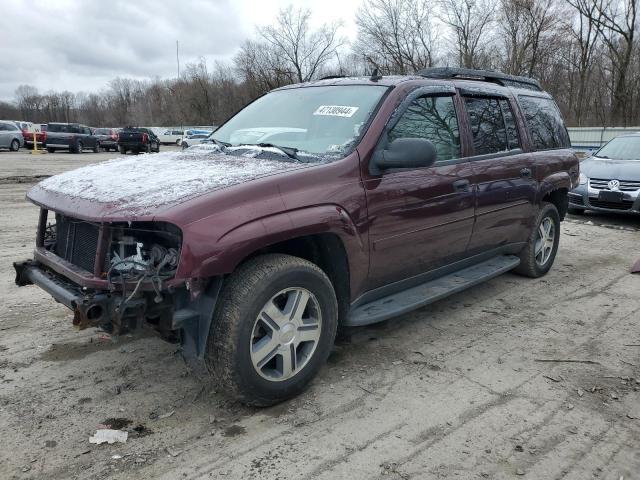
102,131
544,122
56,127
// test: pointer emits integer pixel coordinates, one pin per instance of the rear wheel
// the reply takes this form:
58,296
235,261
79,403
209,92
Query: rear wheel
15,145
78,148
96,149
274,329
51,150
537,257
123,150
148,148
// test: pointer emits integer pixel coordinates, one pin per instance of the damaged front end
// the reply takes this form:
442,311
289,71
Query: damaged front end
119,276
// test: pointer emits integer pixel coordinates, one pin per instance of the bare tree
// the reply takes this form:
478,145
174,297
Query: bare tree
306,51
397,36
470,21
526,28
617,22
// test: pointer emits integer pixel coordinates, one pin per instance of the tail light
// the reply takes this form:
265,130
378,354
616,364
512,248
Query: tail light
145,138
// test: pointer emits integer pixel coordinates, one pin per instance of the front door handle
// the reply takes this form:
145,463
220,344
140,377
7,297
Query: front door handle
525,172
461,185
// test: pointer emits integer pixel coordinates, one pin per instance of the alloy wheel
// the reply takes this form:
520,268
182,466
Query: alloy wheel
285,334
545,241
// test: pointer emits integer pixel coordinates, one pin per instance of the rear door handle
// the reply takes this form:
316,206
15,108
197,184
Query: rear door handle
461,185
525,172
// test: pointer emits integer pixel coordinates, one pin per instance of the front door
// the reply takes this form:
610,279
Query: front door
421,218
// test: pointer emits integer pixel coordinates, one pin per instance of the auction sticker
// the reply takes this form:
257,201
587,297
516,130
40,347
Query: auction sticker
336,110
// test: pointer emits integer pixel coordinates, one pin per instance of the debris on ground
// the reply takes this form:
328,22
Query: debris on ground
166,415
109,436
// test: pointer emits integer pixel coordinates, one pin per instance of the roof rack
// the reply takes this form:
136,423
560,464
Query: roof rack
482,75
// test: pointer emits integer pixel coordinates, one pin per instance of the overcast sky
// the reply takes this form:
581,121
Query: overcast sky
79,45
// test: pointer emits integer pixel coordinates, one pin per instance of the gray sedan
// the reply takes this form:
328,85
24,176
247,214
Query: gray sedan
610,179
10,136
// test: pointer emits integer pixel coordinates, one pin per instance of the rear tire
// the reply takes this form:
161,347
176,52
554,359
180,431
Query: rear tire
264,358
51,150
123,151
78,148
15,145
538,255
96,149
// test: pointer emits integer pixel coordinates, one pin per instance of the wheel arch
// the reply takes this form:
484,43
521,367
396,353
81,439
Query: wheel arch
554,189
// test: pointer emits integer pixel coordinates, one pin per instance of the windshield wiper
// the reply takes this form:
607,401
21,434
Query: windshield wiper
290,152
220,143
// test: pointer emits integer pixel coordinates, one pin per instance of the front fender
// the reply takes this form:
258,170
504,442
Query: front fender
237,244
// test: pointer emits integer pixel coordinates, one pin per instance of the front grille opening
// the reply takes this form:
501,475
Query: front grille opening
76,241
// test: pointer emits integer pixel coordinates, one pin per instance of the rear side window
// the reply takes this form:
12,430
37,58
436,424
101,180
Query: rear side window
487,125
513,139
433,118
544,122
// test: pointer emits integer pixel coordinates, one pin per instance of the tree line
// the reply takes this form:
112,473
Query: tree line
584,52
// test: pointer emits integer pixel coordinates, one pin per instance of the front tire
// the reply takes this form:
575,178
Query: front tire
96,149
123,151
51,150
15,145
78,148
274,328
538,255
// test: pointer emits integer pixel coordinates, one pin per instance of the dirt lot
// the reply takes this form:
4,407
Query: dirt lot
455,390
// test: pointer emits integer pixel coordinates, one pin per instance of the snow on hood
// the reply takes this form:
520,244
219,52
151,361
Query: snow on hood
139,184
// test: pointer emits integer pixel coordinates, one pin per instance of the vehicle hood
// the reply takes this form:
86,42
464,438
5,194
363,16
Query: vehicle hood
141,186
594,167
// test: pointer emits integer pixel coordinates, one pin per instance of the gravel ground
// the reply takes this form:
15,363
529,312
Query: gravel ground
454,390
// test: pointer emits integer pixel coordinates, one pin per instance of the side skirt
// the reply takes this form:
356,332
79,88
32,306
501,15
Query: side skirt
430,291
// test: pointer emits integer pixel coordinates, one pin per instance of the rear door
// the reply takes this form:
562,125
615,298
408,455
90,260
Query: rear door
421,218
506,189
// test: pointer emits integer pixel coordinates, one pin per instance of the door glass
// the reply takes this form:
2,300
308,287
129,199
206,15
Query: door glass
545,124
433,118
510,122
487,125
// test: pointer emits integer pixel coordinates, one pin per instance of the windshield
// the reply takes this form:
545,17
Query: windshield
317,120
621,148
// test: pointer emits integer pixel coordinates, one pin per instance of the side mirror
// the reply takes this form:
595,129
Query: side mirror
406,153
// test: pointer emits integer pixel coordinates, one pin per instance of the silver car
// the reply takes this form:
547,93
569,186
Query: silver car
10,136
610,179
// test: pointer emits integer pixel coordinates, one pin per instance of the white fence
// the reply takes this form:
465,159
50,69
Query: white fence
590,138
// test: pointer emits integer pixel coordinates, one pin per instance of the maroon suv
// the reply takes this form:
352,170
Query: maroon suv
341,202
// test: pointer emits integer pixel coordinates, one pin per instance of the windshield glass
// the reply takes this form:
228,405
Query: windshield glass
621,148
318,120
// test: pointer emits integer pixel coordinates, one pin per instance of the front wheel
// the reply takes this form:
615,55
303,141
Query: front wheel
51,150
538,255
274,328
123,151
96,148
78,148
15,145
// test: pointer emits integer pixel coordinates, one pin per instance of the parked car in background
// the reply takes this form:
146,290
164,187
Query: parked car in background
137,140
171,137
10,135
195,139
610,178
108,138
405,189
29,130
70,136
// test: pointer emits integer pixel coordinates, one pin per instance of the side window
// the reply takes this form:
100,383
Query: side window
433,118
544,122
3,127
513,139
487,125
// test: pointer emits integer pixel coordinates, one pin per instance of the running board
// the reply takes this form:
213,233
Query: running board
431,291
